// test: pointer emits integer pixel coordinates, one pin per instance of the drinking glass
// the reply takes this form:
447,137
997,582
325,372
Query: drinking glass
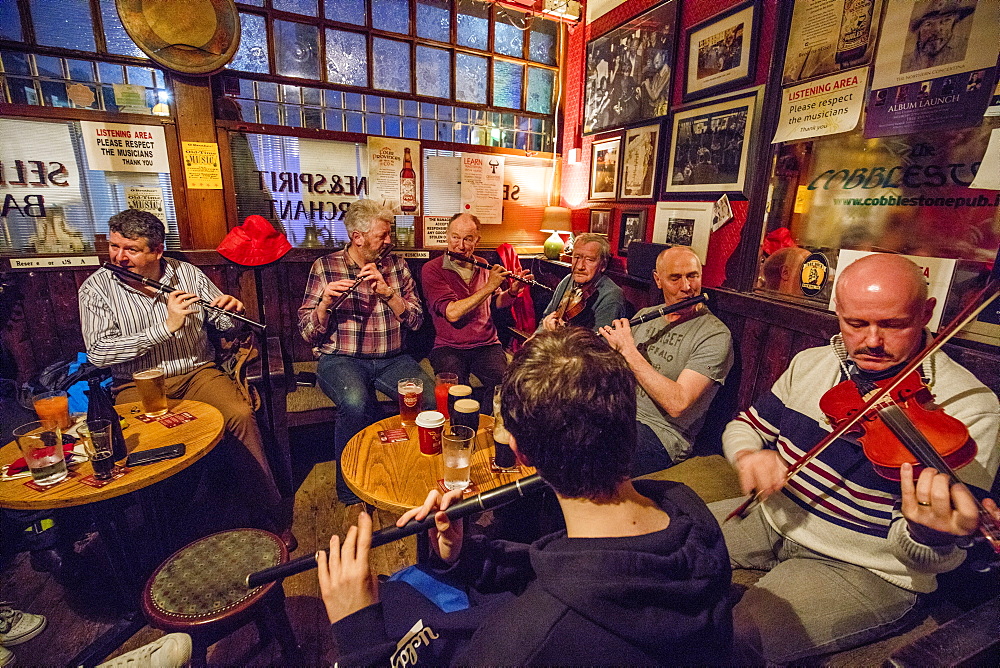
41,445
411,394
99,448
457,442
444,381
152,391
52,409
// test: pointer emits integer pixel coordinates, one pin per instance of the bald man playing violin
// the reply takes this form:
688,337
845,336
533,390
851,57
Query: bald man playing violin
849,553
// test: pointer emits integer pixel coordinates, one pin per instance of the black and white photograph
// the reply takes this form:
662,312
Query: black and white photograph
639,159
709,147
633,228
680,231
684,224
600,221
604,168
721,52
629,70
722,212
938,34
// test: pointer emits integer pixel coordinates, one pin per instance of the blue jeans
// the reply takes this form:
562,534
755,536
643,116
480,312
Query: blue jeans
650,456
351,383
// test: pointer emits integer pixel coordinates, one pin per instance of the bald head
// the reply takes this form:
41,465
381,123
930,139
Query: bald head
882,308
673,254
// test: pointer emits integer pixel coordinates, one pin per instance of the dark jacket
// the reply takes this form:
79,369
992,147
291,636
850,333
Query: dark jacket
657,598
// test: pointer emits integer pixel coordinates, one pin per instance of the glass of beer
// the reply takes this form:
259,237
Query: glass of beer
152,391
41,445
98,445
52,409
457,442
411,395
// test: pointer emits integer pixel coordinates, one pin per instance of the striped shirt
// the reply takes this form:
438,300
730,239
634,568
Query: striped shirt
127,330
363,326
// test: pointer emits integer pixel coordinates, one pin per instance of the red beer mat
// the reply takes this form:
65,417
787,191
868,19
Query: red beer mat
498,469
169,420
471,490
116,472
393,435
31,484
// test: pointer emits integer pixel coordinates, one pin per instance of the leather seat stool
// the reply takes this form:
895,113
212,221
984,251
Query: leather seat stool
200,590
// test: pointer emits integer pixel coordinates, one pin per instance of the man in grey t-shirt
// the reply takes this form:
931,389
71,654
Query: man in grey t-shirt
679,360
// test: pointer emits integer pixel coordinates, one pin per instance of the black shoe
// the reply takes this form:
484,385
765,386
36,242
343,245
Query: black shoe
46,561
288,538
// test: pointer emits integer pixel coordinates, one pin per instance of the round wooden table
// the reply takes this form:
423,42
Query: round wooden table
396,476
199,436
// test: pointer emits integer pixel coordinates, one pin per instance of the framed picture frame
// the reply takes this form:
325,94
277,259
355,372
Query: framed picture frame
632,227
709,145
722,52
640,155
604,168
630,70
600,221
684,224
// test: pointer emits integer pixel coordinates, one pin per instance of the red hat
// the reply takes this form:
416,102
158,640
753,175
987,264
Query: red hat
254,243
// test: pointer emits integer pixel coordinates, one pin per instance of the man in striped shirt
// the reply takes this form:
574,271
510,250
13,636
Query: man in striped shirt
130,327
849,554
360,343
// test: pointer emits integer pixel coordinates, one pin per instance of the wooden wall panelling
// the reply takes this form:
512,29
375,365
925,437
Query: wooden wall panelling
62,288
39,319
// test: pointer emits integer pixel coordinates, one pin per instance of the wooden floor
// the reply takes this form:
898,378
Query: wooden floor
79,615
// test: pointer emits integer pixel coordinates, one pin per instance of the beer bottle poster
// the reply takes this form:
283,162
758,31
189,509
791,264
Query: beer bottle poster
829,36
394,174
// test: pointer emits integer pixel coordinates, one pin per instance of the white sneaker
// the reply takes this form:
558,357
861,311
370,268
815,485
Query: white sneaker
6,656
171,651
17,627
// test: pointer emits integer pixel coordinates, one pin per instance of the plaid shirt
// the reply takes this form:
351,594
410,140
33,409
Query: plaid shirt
364,325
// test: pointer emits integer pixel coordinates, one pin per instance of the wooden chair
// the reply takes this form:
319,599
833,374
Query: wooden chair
200,590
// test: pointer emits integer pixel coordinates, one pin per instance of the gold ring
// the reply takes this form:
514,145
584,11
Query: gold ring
923,503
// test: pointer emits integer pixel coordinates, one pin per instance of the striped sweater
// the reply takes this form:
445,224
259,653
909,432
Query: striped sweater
837,505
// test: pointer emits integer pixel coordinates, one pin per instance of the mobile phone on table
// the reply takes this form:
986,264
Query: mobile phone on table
155,455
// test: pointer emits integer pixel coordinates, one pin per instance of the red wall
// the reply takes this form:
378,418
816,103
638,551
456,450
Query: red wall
575,178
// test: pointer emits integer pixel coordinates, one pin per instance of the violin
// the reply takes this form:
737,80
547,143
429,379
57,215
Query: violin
901,427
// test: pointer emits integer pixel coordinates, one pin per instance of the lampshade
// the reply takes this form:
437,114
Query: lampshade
556,219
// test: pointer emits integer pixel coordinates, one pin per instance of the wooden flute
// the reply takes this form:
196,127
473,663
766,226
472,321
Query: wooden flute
484,265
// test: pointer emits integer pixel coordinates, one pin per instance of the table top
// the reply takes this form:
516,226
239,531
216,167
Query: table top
199,436
396,476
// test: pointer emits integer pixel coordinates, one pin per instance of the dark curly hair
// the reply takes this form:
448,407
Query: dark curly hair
132,224
569,401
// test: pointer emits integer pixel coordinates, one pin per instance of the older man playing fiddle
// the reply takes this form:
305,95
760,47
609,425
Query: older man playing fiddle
459,297
679,359
586,297
850,554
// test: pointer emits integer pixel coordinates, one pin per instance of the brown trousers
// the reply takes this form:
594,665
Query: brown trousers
251,477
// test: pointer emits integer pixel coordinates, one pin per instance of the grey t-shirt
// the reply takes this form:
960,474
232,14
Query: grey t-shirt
702,344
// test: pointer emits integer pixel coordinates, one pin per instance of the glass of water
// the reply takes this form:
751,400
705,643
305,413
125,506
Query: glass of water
457,442
41,445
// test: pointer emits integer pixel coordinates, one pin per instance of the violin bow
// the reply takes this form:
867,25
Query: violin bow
967,315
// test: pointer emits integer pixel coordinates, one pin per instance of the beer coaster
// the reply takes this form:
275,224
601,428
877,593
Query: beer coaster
393,435
471,490
497,469
39,488
168,420
116,472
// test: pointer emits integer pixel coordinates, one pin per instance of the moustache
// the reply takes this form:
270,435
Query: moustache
873,352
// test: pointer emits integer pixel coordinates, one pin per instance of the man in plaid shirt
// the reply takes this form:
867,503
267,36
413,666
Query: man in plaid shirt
359,345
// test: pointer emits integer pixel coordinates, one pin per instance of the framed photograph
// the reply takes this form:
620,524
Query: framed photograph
604,168
600,221
722,52
629,70
709,146
639,159
684,224
632,228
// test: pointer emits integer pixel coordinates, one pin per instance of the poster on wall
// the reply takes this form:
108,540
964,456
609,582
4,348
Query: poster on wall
394,173
119,147
722,52
822,107
436,231
639,160
202,170
938,72
147,199
937,271
830,36
482,187
629,70
38,168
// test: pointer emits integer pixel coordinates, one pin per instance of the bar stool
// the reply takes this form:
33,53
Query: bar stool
200,591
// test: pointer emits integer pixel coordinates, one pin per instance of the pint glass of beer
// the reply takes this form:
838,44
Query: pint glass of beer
411,398
152,391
